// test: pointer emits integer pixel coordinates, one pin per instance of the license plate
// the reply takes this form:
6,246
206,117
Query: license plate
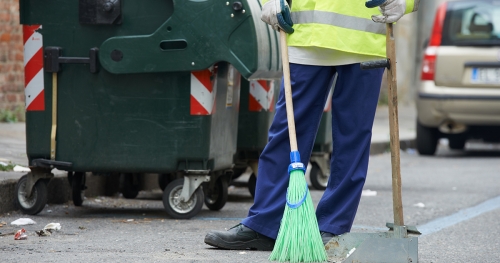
486,75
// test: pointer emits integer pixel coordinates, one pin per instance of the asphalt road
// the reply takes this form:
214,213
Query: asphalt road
453,198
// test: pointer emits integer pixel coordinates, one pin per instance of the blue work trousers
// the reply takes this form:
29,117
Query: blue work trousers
354,103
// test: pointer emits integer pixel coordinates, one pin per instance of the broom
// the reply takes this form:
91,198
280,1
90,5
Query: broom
298,239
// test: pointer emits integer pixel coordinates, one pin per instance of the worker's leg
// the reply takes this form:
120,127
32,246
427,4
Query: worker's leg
310,87
353,110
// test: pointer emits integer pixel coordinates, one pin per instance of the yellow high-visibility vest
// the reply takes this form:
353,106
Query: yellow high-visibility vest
343,25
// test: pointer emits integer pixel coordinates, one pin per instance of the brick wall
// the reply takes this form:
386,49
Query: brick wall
11,56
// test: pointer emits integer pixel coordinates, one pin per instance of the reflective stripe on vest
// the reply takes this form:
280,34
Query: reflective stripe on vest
334,19
340,25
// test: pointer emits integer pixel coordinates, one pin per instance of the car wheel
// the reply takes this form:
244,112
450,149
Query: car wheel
427,139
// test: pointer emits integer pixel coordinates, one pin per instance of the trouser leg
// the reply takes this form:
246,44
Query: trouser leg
310,87
354,104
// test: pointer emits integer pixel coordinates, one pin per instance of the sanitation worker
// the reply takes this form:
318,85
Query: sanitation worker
328,37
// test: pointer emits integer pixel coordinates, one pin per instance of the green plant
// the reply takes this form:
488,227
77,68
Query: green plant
15,115
4,167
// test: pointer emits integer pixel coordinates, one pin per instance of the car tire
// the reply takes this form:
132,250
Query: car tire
427,139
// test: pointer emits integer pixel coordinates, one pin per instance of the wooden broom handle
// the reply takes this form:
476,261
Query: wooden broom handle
394,128
288,92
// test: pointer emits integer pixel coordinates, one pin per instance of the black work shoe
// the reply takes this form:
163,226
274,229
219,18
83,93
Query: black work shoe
239,237
326,237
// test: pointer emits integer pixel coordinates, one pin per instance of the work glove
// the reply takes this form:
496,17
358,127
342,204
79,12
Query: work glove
277,14
392,11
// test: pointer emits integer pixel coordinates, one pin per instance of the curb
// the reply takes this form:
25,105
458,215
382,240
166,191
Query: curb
384,147
58,188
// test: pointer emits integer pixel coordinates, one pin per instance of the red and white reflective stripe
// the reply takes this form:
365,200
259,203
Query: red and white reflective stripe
328,104
203,91
261,95
33,68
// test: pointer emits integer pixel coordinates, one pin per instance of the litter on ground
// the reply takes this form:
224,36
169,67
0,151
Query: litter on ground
49,229
23,222
53,226
368,192
21,235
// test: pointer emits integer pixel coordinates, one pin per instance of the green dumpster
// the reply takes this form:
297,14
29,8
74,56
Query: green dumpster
320,157
258,99
132,87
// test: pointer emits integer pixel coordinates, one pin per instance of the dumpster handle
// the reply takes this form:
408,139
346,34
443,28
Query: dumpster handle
54,117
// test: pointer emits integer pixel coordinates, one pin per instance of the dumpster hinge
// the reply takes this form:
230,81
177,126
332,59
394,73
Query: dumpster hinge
53,58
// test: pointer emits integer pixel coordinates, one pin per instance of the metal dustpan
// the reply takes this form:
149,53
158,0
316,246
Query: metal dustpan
394,245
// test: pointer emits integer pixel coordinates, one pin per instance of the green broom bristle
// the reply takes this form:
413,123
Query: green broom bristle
299,239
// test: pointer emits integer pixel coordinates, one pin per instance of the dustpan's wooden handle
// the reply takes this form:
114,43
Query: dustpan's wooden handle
394,128
288,92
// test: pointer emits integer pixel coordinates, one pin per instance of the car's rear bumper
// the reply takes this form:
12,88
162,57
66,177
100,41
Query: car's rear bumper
469,106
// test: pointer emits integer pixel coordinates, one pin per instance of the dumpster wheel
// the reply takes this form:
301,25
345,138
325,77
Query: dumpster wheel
216,198
35,203
319,180
77,187
178,209
252,183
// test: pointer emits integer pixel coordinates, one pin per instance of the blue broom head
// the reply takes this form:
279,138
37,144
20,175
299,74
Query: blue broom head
299,239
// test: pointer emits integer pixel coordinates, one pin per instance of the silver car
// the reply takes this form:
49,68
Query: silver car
459,98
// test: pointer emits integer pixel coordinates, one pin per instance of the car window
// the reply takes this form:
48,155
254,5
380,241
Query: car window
472,23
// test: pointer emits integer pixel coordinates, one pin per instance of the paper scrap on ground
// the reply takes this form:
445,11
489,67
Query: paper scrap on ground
21,235
368,192
19,168
23,222
421,205
49,229
53,226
